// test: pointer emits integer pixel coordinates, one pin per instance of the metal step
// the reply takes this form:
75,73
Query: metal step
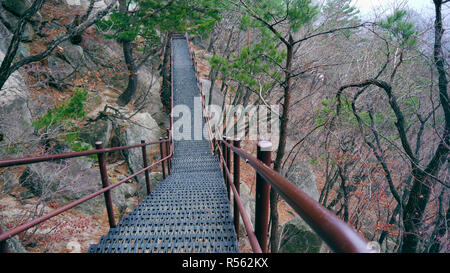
189,211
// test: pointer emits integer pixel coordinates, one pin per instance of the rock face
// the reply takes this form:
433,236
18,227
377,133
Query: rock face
13,244
14,97
67,180
10,12
296,235
149,88
97,131
142,127
302,176
17,7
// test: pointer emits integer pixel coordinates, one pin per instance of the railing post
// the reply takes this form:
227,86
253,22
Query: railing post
262,196
169,149
229,167
224,163
145,161
105,183
167,154
237,183
161,150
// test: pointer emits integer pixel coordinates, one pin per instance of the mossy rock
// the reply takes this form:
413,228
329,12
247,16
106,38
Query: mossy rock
297,237
17,7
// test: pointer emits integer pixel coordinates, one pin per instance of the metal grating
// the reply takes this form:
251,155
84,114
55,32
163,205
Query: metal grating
189,211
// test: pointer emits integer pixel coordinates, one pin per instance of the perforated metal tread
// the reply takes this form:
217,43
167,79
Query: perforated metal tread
189,211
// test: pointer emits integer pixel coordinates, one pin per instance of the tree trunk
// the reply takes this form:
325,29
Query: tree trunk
5,69
128,94
423,182
165,73
274,234
441,224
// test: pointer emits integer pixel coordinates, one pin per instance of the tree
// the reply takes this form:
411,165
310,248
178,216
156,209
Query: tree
147,22
9,66
413,203
283,26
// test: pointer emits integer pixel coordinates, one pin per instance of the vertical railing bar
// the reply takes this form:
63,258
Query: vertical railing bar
161,150
145,162
262,196
237,182
228,152
167,153
105,183
224,162
169,149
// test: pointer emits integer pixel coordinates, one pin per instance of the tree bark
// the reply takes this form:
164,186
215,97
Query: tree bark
165,73
8,67
127,47
274,234
423,183
5,68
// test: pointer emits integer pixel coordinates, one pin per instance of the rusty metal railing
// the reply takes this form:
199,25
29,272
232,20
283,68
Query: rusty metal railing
166,148
337,234
166,155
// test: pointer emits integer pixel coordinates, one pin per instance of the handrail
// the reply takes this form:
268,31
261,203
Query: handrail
247,223
37,221
335,232
100,151
37,159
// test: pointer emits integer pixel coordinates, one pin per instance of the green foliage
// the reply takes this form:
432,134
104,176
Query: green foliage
346,115
400,29
72,109
152,17
265,59
59,119
259,58
340,13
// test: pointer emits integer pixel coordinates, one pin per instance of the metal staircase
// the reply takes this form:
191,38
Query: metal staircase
189,211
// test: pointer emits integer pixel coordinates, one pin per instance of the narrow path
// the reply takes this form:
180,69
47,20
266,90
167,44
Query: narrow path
189,211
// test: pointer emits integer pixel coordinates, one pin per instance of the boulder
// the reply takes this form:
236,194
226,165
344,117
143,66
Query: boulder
84,4
59,71
72,54
17,7
14,98
148,89
99,130
9,182
155,179
13,244
302,175
5,39
141,127
67,180
10,18
296,235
